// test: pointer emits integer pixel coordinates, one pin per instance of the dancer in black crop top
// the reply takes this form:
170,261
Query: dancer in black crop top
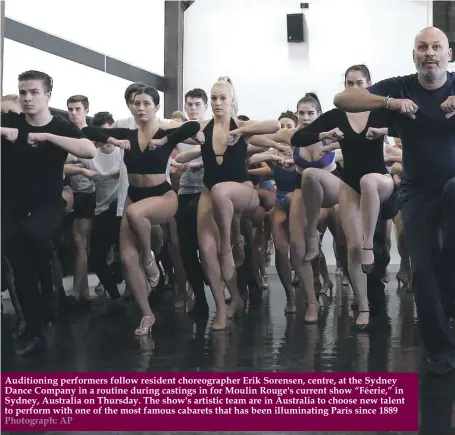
151,200
226,191
366,183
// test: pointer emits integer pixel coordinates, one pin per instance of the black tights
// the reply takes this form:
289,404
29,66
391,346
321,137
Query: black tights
186,219
26,237
105,234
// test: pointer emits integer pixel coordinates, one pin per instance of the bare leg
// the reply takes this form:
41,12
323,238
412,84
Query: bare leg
374,190
404,274
351,221
229,198
283,265
260,247
267,198
134,274
237,241
67,195
208,238
388,243
303,269
320,188
321,262
141,216
81,232
174,251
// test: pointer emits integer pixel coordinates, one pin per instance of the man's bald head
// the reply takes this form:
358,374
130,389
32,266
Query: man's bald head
432,55
432,33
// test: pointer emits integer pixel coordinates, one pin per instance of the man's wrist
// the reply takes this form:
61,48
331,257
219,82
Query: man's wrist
387,101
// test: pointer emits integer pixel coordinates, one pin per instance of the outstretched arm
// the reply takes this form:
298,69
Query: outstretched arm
79,147
385,94
317,131
358,100
113,136
189,155
265,157
174,136
252,128
263,141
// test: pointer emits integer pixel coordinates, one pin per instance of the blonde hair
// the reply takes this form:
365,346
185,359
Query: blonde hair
178,115
226,80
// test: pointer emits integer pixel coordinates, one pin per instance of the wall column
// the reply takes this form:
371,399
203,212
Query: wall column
2,28
173,56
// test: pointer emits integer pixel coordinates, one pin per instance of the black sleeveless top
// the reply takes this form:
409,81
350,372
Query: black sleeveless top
232,168
147,161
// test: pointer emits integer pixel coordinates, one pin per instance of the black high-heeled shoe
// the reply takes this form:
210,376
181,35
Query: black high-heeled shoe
367,268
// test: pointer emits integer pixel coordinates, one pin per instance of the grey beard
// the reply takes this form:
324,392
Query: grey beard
430,77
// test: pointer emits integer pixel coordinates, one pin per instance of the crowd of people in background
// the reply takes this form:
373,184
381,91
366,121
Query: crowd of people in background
209,197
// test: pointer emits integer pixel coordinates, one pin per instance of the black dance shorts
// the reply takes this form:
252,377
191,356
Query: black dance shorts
391,207
84,205
139,193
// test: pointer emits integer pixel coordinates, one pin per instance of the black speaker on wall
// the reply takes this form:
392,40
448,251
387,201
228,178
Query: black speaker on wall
296,28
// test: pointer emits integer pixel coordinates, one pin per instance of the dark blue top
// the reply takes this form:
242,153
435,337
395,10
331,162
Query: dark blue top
429,140
284,179
322,163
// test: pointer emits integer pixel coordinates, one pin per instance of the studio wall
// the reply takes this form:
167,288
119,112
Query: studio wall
247,40
132,31
104,91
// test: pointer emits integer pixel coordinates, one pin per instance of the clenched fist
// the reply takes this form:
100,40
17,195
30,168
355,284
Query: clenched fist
10,134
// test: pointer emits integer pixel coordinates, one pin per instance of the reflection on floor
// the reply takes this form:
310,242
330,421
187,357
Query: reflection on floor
263,339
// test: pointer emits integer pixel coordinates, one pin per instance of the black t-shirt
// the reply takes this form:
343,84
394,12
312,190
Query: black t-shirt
429,140
33,174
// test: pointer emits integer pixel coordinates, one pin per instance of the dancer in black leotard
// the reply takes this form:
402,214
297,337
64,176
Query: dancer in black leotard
366,183
227,190
151,200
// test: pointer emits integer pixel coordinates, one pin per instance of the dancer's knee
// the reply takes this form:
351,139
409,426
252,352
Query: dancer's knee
310,176
220,195
133,215
368,184
354,249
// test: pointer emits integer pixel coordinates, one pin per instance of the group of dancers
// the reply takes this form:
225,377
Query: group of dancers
243,185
